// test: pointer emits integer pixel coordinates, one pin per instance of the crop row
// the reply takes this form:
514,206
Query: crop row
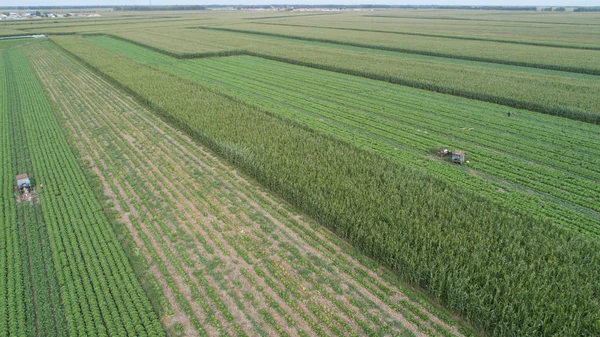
98,289
219,238
556,167
504,271
240,250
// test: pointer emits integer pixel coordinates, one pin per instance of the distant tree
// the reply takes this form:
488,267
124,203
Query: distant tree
560,9
587,9
38,13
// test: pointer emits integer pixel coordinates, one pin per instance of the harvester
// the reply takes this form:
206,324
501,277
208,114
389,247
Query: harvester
456,156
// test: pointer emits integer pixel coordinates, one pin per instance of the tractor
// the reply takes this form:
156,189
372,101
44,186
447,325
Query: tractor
24,189
456,156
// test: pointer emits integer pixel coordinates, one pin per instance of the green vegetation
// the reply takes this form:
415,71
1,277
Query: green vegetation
9,32
568,31
553,58
337,115
571,95
563,94
349,28
229,257
63,272
508,272
44,313
406,124
6,44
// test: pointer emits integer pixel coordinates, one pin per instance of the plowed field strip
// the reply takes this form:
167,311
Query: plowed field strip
237,260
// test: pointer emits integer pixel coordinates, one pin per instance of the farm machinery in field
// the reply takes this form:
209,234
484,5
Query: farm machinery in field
456,156
24,190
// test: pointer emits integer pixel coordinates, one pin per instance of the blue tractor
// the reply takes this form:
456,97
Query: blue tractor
24,184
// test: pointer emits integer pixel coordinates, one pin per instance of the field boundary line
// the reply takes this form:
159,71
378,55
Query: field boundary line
289,16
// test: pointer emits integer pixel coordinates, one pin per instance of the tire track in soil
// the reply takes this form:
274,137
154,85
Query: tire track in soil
182,144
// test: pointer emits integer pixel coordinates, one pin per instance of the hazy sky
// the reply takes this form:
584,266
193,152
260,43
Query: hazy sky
316,2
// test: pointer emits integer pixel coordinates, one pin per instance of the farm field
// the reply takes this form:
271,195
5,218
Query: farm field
570,94
566,59
406,124
357,194
229,256
63,270
563,93
541,33
260,173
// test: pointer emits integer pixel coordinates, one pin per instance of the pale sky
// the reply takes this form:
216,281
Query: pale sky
311,2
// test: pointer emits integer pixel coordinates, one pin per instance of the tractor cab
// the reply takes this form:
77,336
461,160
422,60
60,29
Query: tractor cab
458,157
24,191
23,183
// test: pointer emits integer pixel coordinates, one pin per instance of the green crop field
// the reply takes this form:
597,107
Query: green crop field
563,93
63,269
240,173
406,124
